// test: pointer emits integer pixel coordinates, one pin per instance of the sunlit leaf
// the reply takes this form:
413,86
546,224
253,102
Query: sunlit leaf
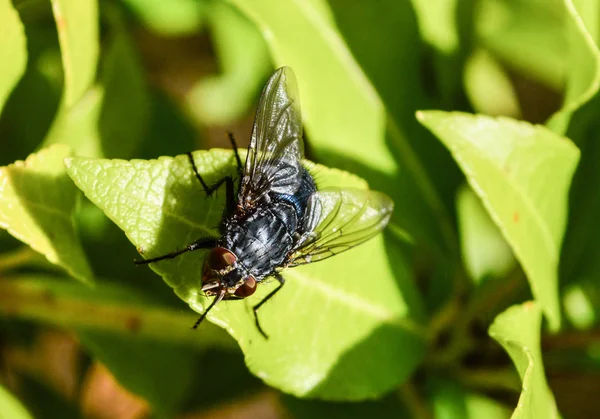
518,331
13,50
10,407
522,174
172,18
489,87
583,66
330,335
37,200
77,24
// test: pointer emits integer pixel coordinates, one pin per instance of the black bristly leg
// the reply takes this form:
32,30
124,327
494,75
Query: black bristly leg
228,180
264,300
201,243
236,152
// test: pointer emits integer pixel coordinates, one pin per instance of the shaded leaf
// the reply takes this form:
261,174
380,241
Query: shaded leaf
518,331
13,50
527,35
37,200
11,407
522,174
484,250
451,401
323,321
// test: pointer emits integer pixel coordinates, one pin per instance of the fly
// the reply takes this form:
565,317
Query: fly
278,219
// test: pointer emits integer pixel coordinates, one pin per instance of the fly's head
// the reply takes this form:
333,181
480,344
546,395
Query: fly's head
223,273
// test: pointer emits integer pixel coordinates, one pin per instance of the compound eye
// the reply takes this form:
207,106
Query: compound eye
220,258
247,288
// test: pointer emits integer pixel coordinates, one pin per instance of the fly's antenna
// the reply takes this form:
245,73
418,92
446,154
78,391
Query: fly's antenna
214,303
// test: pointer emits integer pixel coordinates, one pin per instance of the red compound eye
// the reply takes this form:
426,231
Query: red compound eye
247,288
220,258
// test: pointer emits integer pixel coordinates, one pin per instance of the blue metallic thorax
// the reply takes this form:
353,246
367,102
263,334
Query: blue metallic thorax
265,236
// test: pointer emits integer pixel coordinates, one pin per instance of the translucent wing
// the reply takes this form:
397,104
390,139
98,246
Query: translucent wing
344,218
276,148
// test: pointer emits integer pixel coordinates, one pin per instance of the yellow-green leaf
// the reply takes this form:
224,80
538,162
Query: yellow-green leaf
347,328
522,173
77,25
518,331
37,200
13,50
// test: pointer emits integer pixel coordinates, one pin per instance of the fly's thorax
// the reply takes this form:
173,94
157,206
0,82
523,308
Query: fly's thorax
222,270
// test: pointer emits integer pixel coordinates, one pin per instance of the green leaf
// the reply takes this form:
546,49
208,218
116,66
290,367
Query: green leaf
244,62
159,372
528,35
489,87
94,125
581,301
485,252
172,18
583,71
581,250
334,89
518,331
451,401
13,51
77,25
126,95
11,407
330,335
522,174
37,200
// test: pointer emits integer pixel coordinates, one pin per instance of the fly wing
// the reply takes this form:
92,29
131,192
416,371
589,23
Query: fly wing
339,219
276,148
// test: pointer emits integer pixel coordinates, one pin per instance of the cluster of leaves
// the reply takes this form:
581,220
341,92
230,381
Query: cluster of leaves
483,200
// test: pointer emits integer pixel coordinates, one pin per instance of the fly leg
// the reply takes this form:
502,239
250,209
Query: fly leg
264,300
236,153
227,180
201,243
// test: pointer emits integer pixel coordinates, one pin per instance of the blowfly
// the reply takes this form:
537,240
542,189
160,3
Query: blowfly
278,219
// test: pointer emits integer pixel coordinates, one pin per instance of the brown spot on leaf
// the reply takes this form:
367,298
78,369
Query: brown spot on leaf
516,217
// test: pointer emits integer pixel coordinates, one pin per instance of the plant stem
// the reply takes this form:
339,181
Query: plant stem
65,307
413,401
16,258
489,379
